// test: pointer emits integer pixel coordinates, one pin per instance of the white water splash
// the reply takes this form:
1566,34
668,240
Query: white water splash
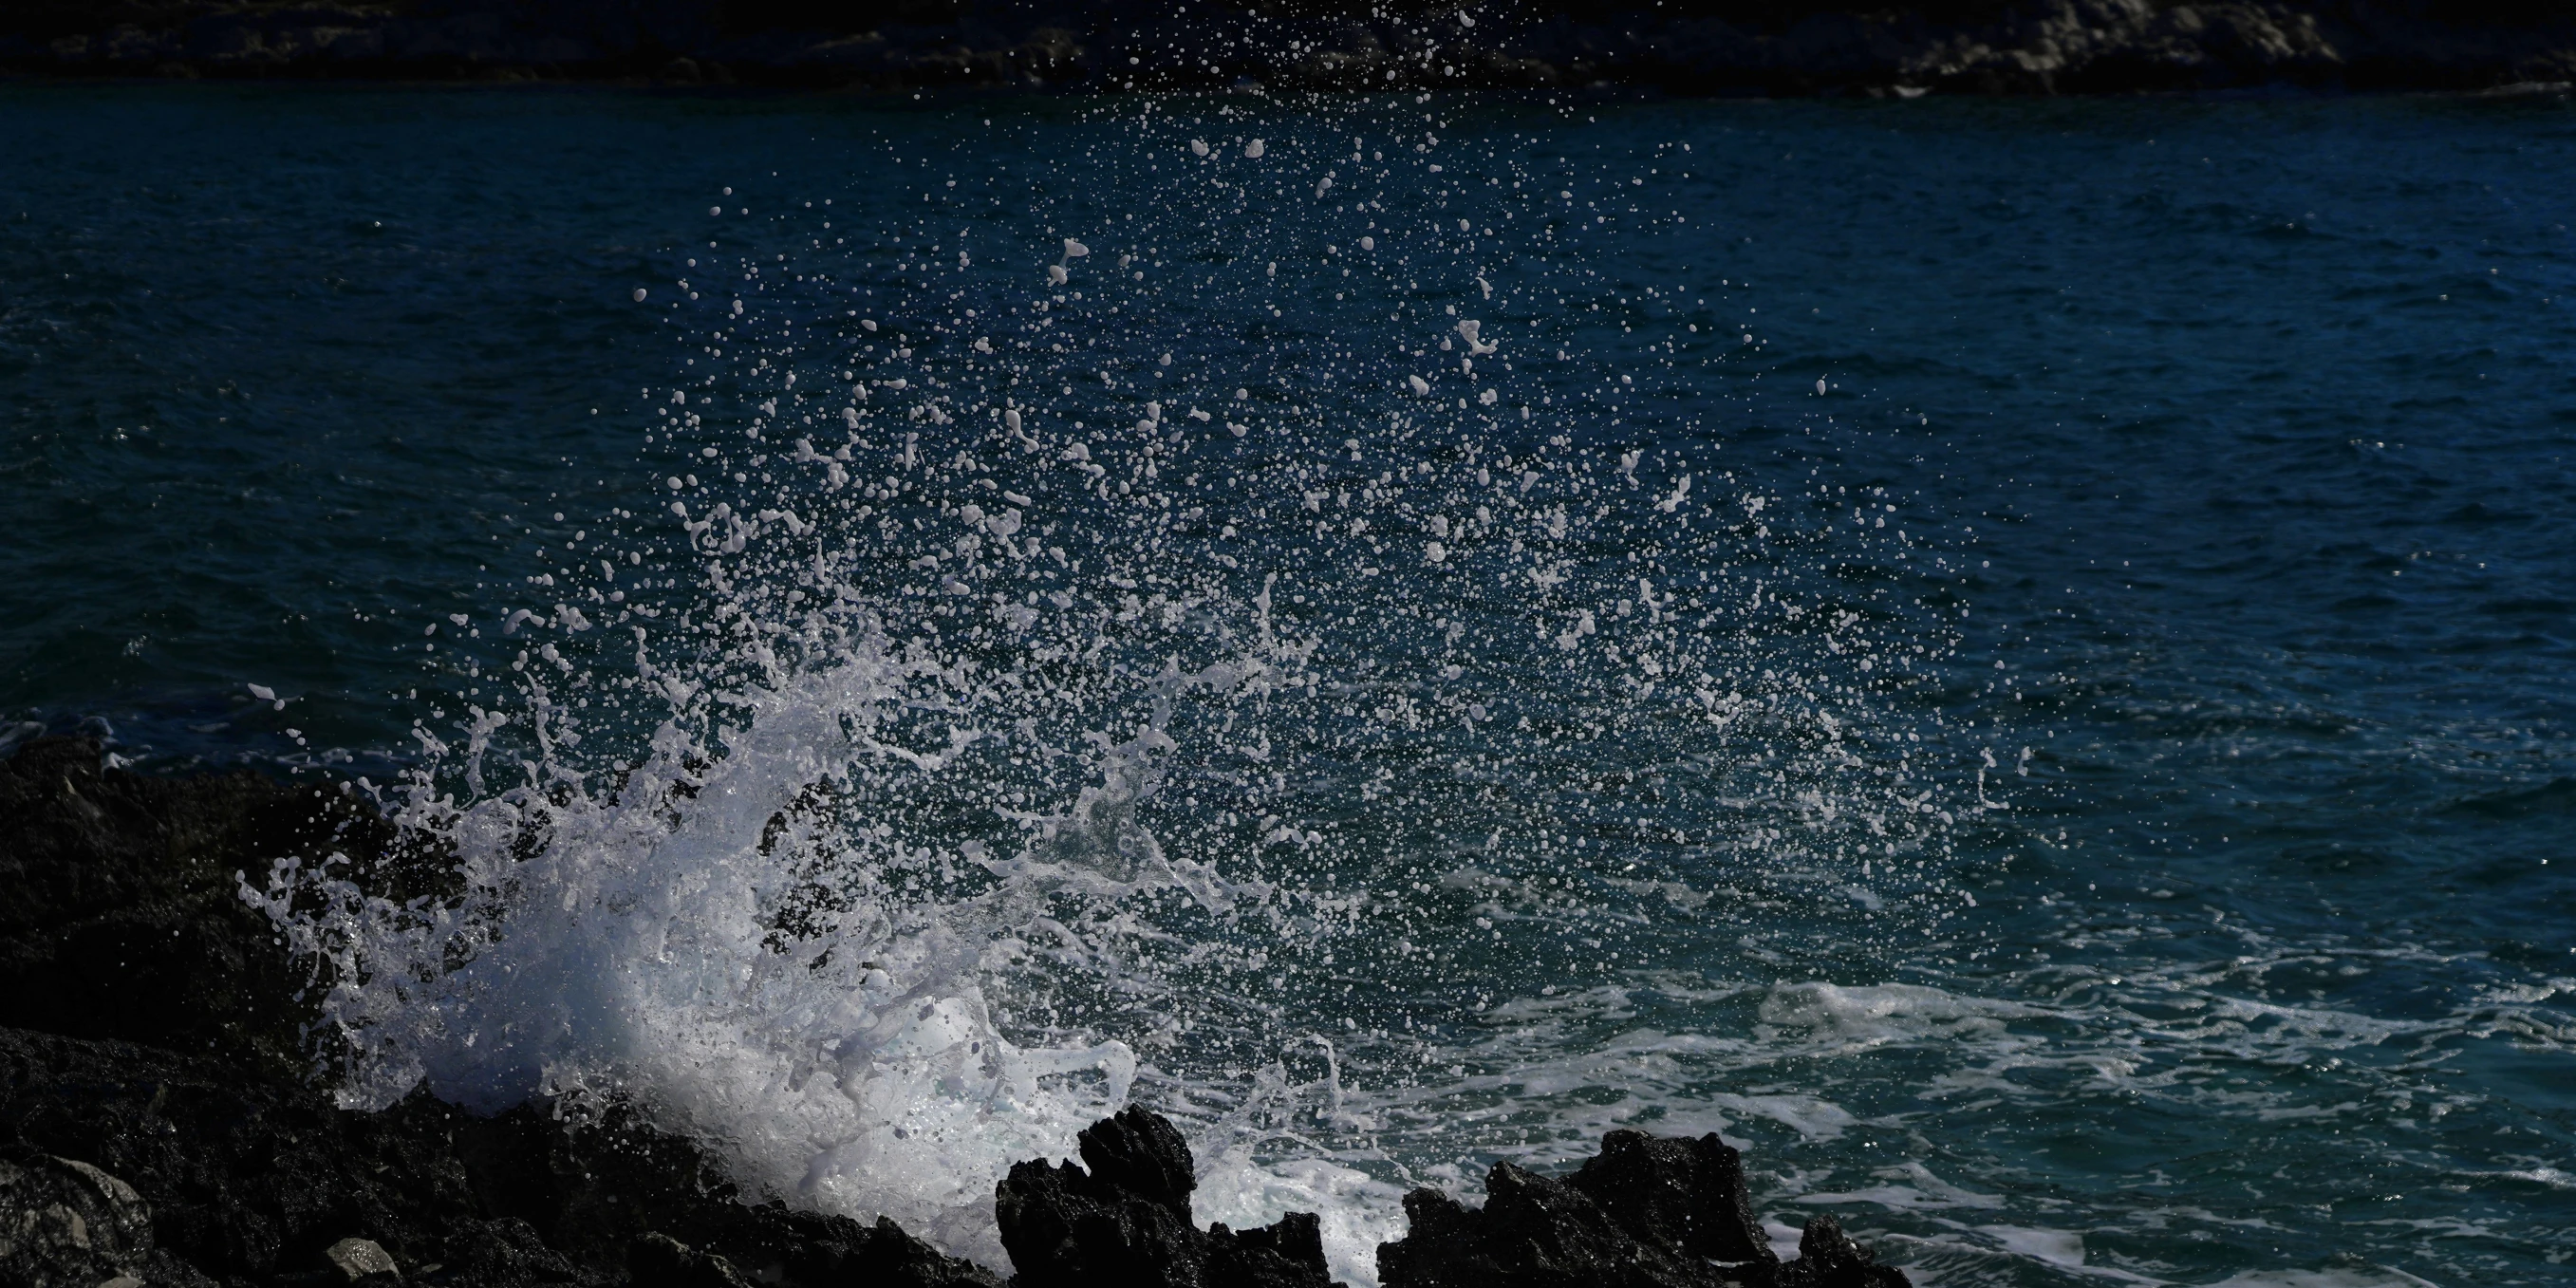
1013,750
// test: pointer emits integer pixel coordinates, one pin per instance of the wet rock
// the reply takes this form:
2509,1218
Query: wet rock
1828,1258
499,1252
361,1261
1684,1195
260,1179
1533,1232
659,1261
120,912
1126,1220
67,1222
1646,1212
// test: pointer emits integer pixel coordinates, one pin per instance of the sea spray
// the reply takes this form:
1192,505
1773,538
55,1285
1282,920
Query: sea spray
973,739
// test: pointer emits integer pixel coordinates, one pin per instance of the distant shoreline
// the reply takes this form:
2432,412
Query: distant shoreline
1734,48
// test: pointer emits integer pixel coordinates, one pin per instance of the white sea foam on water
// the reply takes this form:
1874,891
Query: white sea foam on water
2339,1277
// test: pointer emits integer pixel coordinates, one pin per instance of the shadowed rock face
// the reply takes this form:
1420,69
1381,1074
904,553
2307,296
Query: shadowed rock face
68,1222
1777,47
120,915
1126,1221
1646,1212
1687,1195
249,1179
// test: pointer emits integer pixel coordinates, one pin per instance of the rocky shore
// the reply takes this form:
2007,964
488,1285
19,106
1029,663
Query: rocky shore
1688,47
161,1124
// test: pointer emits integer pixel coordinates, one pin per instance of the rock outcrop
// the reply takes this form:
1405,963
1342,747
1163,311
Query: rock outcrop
1776,47
1126,1221
260,1179
120,912
1646,1212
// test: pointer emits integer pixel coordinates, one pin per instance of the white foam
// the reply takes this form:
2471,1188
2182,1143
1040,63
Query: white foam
1858,1017
2056,1247
2339,1277
633,954
1358,1211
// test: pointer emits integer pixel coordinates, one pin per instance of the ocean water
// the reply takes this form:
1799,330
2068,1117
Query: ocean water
2012,658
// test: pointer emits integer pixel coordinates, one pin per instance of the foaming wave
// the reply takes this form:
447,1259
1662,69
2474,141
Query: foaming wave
630,942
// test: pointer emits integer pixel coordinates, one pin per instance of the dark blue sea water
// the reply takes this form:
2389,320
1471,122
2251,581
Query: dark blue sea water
2017,659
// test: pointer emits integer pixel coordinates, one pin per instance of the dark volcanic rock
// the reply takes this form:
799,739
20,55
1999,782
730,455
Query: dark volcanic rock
1687,1195
1533,1232
253,1179
1125,1223
1827,1258
67,1222
1644,1213
659,1261
120,912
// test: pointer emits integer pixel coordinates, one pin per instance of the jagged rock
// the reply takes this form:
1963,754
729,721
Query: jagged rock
67,1222
1126,1221
1828,1258
251,1177
1687,1195
1646,1212
504,1251
214,1157
1533,1232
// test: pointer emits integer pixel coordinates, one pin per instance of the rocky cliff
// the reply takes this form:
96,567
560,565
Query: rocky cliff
1692,47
